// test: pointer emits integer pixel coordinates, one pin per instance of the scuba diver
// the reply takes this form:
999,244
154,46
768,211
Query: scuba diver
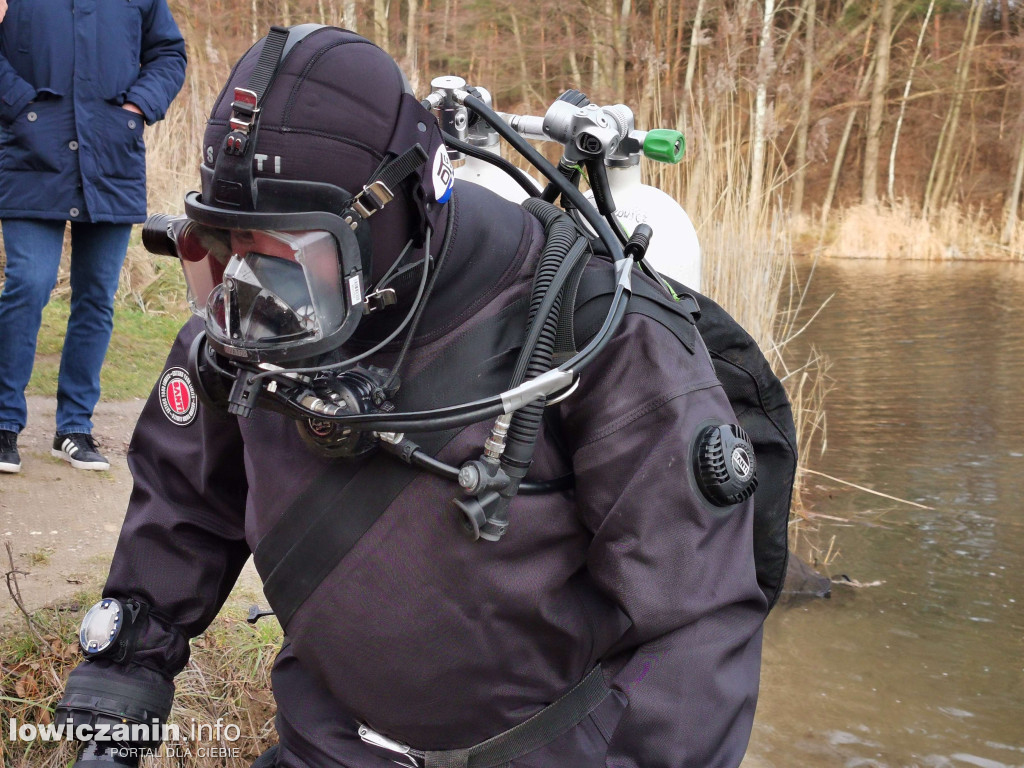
494,520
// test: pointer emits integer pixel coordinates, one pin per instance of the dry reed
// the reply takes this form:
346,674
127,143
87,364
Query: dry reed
899,231
228,677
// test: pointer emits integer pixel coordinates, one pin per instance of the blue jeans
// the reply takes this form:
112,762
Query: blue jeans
33,248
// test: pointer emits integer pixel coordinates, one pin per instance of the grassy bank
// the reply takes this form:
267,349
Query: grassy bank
137,352
227,677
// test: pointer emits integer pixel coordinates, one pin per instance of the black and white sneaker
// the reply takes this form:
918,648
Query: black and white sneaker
10,460
79,449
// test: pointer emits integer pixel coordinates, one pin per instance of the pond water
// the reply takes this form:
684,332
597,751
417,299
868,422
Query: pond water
925,669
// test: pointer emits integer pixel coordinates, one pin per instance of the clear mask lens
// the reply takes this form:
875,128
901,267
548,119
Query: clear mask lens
263,287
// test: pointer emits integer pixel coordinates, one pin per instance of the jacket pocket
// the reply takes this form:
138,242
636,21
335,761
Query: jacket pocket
121,152
32,142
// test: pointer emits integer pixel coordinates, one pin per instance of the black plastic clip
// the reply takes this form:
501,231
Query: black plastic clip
256,613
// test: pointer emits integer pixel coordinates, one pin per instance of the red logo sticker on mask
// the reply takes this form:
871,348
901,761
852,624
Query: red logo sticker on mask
178,397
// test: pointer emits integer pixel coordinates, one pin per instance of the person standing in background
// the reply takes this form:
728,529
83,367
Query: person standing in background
78,80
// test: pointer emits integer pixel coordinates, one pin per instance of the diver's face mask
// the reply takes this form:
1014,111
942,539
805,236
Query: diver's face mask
266,292
280,288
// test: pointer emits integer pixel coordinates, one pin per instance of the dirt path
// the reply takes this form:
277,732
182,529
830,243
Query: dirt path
62,523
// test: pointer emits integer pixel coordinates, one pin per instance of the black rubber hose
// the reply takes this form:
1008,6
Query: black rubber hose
527,487
599,184
517,174
602,189
542,164
561,238
527,422
552,301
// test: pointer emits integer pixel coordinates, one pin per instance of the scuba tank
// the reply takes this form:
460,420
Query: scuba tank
604,143
592,136
458,122
676,254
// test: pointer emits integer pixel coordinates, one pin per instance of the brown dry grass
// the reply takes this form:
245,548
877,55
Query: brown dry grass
899,231
227,677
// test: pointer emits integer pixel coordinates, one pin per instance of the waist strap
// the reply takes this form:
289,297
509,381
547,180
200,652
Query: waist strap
551,722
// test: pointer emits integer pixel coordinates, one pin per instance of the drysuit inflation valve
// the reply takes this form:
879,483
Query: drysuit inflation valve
724,464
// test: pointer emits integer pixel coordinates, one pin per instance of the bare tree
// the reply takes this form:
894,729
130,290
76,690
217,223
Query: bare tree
691,60
410,39
863,81
804,120
903,101
765,68
940,175
621,29
876,110
1013,200
348,15
380,23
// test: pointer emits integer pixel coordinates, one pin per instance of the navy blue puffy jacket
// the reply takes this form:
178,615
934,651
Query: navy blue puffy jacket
68,149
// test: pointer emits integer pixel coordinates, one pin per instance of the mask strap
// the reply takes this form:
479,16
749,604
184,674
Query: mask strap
380,189
234,185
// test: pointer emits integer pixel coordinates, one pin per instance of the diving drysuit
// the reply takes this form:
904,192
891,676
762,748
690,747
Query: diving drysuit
440,642
421,645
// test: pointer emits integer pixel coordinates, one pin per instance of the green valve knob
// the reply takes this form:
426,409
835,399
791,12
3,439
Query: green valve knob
664,145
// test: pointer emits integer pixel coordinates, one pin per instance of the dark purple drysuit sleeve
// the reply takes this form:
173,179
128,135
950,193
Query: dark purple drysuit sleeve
681,569
183,543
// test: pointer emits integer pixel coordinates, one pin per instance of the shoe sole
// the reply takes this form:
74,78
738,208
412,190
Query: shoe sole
94,465
11,469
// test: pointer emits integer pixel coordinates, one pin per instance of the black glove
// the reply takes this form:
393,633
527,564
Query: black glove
104,701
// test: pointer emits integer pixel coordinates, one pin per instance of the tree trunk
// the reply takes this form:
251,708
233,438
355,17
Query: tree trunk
410,35
621,37
903,103
1013,201
765,67
524,72
574,65
380,24
940,174
804,121
348,17
691,60
864,78
597,79
876,111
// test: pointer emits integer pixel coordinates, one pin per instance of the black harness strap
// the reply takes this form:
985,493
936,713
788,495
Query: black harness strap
595,292
325,521
551,722
565,713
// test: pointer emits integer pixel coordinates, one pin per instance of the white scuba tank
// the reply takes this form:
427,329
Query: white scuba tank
674,249
490,176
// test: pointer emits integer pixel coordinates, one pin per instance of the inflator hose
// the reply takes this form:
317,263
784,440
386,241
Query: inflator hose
535,358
